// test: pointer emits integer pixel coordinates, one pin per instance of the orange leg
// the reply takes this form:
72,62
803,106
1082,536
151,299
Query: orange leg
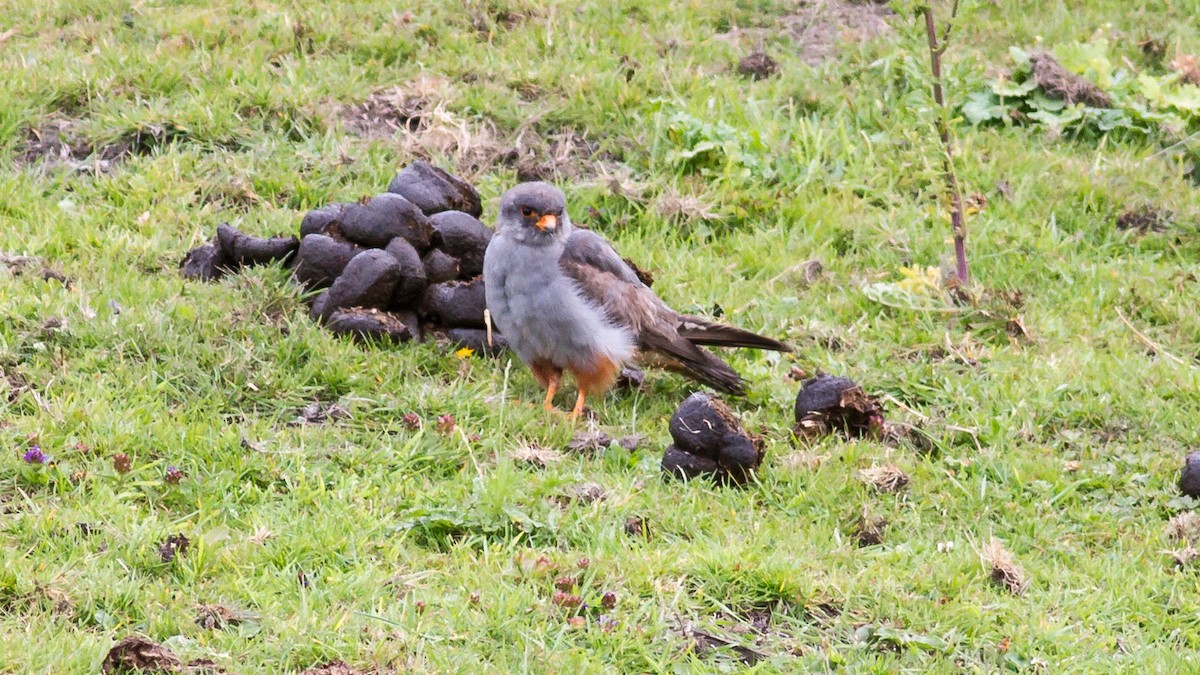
551,388
578,409
594,378
548,377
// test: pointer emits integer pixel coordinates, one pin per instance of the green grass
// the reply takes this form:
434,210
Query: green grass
1065,446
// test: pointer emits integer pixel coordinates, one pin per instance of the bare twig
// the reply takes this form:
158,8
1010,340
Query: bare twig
1150,344
957,222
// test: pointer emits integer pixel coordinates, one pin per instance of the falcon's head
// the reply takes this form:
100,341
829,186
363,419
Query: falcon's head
534,213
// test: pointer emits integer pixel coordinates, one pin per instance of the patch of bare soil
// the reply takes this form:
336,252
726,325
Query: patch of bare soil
136,654
704,642
54,143
338,667
1145,219
385,113
58,143
416,117
819,27
564,153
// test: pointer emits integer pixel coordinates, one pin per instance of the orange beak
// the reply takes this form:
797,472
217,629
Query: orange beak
547,222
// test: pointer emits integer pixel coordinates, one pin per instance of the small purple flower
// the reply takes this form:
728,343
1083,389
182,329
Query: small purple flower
174,475
35,455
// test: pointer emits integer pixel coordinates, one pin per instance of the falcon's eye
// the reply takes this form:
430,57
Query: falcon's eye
526,211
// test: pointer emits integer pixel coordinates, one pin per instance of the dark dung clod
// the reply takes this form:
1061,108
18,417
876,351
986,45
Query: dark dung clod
456,304
384,218
738,458
206,263
368,281
321,259
701,423
434,190
476,340
368,324
412,280
462,236
682,464
322,220
440,266
410,319
827,403
245,250
1189,478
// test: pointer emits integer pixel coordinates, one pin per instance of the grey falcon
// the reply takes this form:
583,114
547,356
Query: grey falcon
566,301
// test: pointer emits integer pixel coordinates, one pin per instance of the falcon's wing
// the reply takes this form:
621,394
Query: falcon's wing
604,279
584,247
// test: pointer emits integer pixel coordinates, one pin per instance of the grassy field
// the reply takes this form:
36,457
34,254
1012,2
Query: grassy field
1057,411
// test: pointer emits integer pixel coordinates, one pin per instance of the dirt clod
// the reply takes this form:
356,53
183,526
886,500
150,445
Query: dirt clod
644,276
885,478
384,113
703,642
1184,527
535,456
1145,219
826,403
174,545
588,493
1058,82
135,654
434,190
869,529
318,412
631,378
558,155
758,66
589,441
1188,67
210,617
637,527
1005,571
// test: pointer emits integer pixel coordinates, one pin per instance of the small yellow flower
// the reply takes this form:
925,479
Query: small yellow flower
465,353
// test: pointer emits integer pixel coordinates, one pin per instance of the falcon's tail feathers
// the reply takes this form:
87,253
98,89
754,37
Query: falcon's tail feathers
687,359
703,332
